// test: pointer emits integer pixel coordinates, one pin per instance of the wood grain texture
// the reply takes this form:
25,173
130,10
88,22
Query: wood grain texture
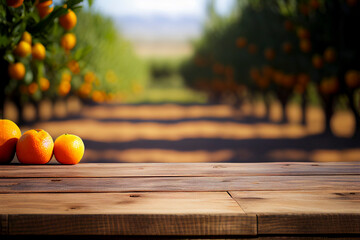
120,203
179,169
298,202
308,224
3,224
244,183
112,224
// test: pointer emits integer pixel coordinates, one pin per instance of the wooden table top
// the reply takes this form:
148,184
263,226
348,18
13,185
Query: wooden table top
182,199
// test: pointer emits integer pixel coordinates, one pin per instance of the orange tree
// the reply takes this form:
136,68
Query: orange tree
283,49
27,30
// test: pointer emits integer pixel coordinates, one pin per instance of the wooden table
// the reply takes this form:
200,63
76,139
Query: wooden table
209,200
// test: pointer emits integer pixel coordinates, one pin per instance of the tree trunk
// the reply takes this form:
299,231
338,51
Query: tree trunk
303,109
284,118
328,115
20,109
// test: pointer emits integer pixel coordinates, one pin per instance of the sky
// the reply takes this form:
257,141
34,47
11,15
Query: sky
169,8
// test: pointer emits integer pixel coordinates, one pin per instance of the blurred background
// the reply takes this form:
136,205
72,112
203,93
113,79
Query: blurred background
192,80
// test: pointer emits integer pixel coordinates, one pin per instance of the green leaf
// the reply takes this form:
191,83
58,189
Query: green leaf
9,57
28,77
90,2
48,20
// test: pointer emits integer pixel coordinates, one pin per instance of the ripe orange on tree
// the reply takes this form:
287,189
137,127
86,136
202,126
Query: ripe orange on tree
330,55
64,88
23,49
43,3
44,84
32,88
317,61
352,78
68,20
14,3
35,147
241,42
329,85
303,33
303,79
44,11
9,136
305,45
74,66
69,149
38,51
26,37
16,70
68,41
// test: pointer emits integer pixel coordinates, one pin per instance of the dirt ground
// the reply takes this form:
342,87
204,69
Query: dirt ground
197,133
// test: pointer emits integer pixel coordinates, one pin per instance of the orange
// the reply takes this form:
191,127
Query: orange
69,149
64,88
32,88
65,77
303,33
44,11
68,21
43,3
89,77
35,147
26,37
98,96
241,42
305,45
9,136
16,71
329,85
269,54
85,90
317,61
303,79
14,3
74,66
330,55
38,51
352,78
288,81
314,4
68,41
44,84
23,49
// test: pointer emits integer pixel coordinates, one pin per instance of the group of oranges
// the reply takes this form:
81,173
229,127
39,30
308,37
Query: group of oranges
36,146
25,48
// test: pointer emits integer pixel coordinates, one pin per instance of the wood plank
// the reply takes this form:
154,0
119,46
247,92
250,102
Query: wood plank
186,213
298,202
245,183
3,224
303,212
120,203
179,169
308,224
112,224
